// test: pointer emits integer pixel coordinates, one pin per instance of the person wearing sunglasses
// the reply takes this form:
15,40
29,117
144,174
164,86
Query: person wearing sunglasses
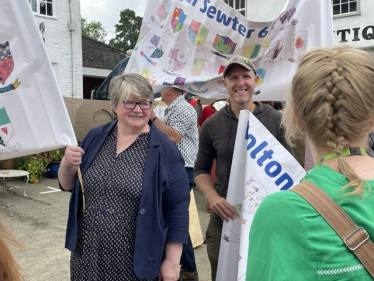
128,215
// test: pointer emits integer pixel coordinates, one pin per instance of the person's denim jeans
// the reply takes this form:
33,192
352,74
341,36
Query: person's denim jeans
188,256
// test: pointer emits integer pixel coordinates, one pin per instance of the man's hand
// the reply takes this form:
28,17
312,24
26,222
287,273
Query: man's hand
221,207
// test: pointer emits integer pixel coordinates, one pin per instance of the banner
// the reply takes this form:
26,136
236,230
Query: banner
266,168
188,43
33,117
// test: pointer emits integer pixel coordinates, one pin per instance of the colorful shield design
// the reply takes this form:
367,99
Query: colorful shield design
177,20
163,10
197,33
177,59
251,51
287,15
254,194
6,62
298,42
179,81
275,49
149,75
143,31
152,44
6,127
261,72
156,47
201,65
224,45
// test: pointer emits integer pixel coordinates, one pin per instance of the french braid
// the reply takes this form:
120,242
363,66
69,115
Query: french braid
332,95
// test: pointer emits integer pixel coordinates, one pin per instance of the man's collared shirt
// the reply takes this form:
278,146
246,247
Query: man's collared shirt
181,116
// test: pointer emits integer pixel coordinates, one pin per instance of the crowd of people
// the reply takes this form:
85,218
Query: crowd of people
130,180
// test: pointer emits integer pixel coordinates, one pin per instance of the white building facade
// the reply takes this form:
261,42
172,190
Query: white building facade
59,23
352,19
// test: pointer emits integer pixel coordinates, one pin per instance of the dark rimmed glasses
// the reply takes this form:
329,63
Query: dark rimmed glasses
144,105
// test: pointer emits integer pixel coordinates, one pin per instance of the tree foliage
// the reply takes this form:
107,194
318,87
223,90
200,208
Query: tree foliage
94,30
127,30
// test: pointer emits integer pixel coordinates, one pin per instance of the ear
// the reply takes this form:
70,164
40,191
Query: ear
257,78
224,82
371,124
298,121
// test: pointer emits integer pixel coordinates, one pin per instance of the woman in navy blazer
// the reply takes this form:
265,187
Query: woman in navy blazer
132,219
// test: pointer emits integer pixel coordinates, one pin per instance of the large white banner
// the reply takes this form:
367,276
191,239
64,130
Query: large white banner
33,116
187,44
266,168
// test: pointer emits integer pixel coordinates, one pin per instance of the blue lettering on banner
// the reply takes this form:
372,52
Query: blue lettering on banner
272,168
220,17
189,1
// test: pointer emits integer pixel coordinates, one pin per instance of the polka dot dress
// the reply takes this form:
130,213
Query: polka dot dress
106,230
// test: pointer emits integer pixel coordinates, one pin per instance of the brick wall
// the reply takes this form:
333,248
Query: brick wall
58,42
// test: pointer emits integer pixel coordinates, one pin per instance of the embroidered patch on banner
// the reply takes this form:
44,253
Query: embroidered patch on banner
339,270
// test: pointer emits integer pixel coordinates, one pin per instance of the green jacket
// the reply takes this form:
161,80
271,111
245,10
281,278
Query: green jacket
289,240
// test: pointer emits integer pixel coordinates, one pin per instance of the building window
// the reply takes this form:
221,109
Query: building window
42,7
345,7
238,5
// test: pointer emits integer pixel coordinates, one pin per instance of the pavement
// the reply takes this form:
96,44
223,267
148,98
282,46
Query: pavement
38,220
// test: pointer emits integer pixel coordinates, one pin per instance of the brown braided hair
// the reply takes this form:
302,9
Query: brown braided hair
332,95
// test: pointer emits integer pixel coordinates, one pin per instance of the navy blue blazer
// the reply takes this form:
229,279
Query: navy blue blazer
163,209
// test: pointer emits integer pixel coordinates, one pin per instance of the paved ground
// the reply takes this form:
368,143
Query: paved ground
39,222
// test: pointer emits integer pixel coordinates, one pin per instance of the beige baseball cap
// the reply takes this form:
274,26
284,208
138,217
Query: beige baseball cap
246,63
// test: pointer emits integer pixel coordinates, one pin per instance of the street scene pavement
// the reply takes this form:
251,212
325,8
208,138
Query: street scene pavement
38,220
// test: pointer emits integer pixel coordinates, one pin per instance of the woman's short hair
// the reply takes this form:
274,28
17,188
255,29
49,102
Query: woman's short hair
125,84
332,100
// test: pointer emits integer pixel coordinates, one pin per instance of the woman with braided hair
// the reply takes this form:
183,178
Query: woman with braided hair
332,104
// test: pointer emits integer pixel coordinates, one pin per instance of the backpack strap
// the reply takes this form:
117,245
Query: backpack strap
355,238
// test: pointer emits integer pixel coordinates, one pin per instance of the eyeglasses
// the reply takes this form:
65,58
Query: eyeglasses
129,104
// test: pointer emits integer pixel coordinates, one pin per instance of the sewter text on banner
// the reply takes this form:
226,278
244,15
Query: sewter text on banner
188,43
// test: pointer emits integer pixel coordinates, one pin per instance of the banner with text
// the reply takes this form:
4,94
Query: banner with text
33,116
266,168
187,43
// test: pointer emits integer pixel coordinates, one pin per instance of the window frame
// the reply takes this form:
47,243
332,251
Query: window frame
35,7
232,4
357,12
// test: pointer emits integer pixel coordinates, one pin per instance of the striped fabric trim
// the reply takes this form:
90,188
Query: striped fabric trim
339,270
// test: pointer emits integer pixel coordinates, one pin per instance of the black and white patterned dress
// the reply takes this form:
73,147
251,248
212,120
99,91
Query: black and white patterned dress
106,230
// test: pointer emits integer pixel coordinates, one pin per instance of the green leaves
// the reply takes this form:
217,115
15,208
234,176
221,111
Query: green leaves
127,30
93,30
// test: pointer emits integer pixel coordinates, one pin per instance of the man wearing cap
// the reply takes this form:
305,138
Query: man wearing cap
217,139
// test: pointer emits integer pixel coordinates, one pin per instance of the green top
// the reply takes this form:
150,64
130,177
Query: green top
289,240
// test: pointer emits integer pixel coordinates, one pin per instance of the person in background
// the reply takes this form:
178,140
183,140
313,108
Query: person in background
217,140
179,123
9,269
196,103
128,218
332,92
212,108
